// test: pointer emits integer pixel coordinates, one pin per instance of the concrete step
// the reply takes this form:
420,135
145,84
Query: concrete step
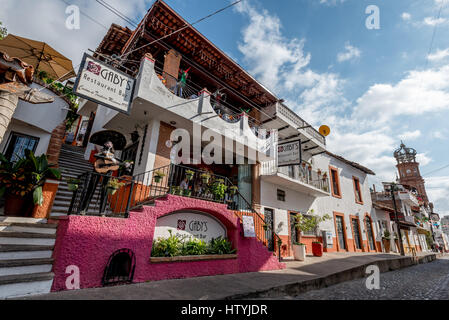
26,238
24,262
26,228
26,268
11,252
22,220
13,286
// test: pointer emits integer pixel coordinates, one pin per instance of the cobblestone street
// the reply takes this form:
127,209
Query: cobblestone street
429,281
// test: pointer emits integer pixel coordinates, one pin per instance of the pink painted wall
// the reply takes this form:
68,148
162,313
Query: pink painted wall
88,242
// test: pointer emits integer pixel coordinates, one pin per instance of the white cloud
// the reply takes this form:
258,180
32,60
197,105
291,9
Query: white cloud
420,92
350,52
423,159
49,24
406,16
410,135
438,55
438,192
331,2
430,21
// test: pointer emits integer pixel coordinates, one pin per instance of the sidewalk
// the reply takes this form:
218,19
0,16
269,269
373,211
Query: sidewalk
314,273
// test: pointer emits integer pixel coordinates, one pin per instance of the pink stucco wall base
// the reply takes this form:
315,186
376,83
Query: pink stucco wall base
88,242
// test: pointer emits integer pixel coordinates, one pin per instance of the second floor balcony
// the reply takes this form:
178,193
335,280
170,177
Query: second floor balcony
301,178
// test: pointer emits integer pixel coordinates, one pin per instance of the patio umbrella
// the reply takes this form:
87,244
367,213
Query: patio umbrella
40,55
101,137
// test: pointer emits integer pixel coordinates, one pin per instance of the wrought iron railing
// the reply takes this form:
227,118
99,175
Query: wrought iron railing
95,196
302,173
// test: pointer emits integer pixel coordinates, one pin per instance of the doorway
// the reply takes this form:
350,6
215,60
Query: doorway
340,230
356,233
269,221
370,234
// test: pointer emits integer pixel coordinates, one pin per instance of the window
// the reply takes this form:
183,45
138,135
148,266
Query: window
357,190
281,195
335,182
17,144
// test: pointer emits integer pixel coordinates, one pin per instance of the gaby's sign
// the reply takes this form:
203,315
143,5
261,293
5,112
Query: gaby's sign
105,85
189,224
289,153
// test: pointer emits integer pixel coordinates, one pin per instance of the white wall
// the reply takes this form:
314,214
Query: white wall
24,128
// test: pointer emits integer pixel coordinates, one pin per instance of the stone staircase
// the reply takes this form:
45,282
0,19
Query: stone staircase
26,247
72,164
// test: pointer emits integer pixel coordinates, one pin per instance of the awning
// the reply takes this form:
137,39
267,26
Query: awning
407,224
422,230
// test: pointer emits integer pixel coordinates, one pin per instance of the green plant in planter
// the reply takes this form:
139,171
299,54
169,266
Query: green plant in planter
26,176
73,184
233,190
158,175
194,247
186,192
386,235
113,185
265,227
189,174
218,189
220,245
205,177
170,247
175,190
309,222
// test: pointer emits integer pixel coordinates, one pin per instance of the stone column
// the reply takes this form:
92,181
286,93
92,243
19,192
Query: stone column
8,104
54,147
171,67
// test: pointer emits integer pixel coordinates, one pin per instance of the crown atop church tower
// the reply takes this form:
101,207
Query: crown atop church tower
404,154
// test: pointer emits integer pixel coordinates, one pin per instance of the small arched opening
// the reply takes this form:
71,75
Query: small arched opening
120,268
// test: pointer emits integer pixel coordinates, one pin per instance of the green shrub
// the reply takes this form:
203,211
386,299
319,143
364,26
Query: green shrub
194,247
220,246
176,245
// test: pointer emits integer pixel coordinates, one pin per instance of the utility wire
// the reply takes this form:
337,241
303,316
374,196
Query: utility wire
183,28
436,170
117,12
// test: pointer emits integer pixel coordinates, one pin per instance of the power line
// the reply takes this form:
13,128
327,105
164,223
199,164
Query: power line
87,16
117,12
436,170
183,28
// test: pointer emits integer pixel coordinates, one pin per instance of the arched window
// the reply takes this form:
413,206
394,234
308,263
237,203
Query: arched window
120,268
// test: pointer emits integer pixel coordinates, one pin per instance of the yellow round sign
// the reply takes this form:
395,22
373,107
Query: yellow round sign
325,130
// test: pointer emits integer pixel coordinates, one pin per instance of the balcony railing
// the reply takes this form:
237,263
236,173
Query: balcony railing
95,197
301,173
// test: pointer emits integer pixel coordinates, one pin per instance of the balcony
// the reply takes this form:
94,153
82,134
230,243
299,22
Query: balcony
297,178
290,125
156,96
408,198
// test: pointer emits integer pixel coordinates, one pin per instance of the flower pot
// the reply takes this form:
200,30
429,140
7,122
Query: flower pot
72,186
386,243
17,206
187,193
112,191
205,180
189,176
317,249
157,179
299,252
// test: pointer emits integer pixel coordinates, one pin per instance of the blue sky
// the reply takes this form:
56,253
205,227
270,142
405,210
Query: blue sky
372,87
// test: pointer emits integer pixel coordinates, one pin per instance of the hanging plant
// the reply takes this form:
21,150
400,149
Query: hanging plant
233,190
205,177
189,174
158,176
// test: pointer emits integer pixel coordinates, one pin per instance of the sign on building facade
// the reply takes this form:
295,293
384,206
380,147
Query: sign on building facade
248,227
289,153
189,224
105,85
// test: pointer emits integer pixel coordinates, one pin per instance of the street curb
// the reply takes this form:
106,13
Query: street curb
293,289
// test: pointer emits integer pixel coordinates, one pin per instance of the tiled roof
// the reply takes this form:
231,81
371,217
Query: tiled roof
352,163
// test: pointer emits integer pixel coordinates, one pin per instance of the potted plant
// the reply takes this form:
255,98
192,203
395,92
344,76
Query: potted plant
386,240
189,174
319,172
299,251
233,190
265,227
218,189
317,248
186,192
306,223
205,177
73,184
113,185
324,176
21,182
176,190
158,175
